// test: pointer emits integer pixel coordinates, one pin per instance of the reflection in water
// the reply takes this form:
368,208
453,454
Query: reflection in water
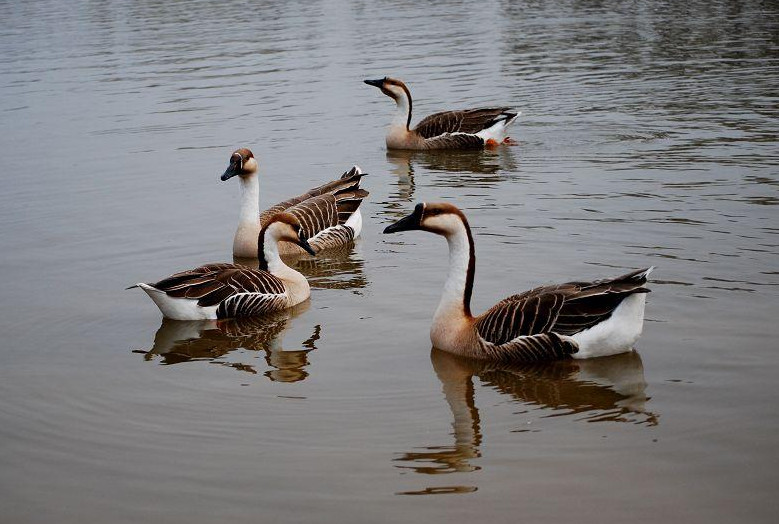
604,389
459,168
179,341
336,268
404,169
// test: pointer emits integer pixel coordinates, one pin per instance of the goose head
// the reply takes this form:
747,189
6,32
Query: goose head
284,227
242,163
440,218
395,89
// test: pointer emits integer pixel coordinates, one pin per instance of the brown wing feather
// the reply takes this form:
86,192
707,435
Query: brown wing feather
213,283
466,121
531,348
510,319
249,304
316,214
565,309
348,201
333,237
349,180
455,141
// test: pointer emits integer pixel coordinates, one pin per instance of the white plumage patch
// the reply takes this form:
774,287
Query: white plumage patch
355,222
178,308
497,131
616,334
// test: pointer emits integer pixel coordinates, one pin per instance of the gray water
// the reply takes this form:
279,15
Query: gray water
648,136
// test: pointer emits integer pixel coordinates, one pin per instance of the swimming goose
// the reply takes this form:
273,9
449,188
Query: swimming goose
578,319
222,290
329,214
467,129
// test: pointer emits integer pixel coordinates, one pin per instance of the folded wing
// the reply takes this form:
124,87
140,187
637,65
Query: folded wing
517,323
469,121
237,290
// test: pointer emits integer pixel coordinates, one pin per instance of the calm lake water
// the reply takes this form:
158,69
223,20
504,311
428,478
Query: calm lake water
648,136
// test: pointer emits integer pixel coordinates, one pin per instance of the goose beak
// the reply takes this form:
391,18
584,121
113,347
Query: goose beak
230,172
375,83
407,223
302,242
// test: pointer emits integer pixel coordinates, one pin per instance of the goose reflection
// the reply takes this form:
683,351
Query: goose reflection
179,341
595,390
459,168
338,268
403,168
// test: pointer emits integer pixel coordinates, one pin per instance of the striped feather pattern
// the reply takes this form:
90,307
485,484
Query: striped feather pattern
510,319
348,201
467,121
323,211
350,180
220,284
332,237
532,348
316,214
565,309
250,304
455,141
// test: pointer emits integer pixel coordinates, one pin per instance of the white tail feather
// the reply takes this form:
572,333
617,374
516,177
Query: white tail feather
178,308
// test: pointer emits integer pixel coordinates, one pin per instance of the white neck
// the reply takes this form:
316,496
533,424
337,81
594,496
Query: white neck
250,198
451,304
245,241
297,285
401,116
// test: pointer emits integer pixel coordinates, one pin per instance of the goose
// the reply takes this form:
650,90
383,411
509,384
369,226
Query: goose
576,319
466,129
222,290
329,214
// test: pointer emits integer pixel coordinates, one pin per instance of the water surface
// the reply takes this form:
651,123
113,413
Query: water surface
648,136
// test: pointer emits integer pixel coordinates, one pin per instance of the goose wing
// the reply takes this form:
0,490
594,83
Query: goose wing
469,121
237,290
455,141
350,180
529,325
320,213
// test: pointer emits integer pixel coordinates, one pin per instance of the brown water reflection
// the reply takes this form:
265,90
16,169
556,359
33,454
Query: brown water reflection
452,168
648,136
212,341
609,389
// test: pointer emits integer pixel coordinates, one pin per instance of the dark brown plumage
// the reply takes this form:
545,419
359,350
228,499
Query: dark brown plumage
565,309
224,284
349,181
323,208
467,121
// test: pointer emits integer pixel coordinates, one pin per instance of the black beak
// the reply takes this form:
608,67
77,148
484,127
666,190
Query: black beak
408,223
375,83
234,169
302,242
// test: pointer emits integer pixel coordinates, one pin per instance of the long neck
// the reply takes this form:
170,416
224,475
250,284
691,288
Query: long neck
403,115
250,199
270,261
456,297
268,253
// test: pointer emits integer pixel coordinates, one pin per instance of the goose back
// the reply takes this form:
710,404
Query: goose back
469,121
236,290
520,323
